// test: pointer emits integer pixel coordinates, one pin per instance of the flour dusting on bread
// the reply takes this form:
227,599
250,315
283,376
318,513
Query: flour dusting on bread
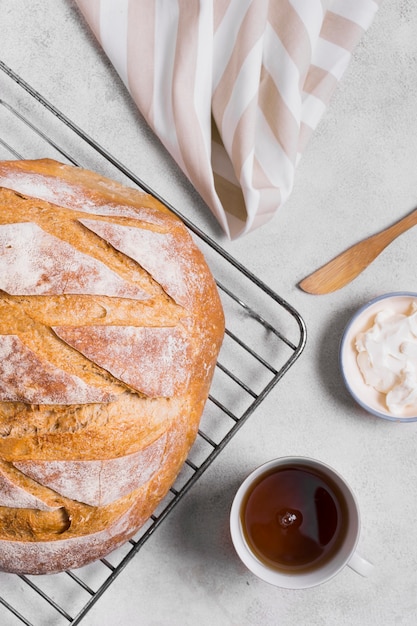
110,327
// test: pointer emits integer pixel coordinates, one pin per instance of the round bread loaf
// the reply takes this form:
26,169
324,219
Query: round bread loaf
110,327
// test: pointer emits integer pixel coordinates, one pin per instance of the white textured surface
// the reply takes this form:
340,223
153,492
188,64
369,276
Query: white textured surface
358,175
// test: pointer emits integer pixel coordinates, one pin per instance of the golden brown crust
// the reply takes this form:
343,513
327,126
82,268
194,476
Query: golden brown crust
110,326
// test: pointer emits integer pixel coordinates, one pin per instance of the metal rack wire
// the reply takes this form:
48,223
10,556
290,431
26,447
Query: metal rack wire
264,337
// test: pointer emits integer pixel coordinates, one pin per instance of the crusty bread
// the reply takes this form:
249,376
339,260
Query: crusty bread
110,327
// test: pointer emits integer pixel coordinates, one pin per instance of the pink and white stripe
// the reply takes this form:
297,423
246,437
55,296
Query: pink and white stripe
233,88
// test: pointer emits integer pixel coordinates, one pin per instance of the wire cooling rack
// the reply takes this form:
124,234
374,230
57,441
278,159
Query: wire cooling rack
264,337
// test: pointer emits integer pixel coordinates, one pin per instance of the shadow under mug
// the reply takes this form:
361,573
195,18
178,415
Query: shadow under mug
345,554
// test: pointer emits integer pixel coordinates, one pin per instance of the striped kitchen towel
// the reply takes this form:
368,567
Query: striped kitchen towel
232,88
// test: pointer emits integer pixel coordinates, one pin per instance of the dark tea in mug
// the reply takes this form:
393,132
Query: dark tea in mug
294,518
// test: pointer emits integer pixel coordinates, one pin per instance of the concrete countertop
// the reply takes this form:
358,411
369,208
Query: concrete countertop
357,176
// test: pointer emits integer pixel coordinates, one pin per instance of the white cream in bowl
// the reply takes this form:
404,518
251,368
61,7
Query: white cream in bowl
378,356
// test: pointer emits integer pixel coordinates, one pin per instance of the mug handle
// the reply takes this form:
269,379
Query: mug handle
360,565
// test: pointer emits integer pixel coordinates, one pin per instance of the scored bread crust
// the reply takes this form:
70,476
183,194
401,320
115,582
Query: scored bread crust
110,327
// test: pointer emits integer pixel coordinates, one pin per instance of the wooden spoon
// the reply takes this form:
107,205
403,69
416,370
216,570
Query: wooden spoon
346,266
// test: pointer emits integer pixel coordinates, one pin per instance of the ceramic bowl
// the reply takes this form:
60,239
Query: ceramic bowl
365,395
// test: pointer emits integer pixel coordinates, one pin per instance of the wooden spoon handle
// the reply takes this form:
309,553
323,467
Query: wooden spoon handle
346,266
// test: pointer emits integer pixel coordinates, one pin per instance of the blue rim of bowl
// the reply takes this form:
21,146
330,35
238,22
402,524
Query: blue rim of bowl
362,309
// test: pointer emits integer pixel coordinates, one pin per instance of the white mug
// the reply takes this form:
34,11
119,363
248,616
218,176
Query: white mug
309,576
